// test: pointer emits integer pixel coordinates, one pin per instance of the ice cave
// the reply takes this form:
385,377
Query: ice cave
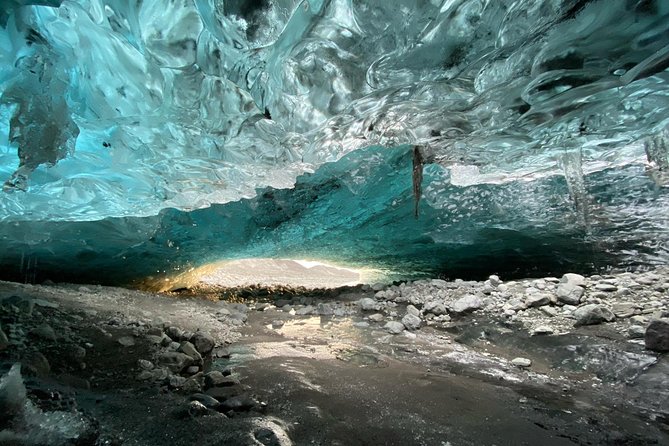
455,210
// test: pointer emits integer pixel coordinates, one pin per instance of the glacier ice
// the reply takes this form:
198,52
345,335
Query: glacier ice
121,120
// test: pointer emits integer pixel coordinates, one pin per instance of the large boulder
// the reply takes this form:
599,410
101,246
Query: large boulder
657,335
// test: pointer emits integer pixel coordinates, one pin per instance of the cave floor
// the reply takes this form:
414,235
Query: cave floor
326,379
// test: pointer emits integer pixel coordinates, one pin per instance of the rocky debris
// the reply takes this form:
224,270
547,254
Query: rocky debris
657,335
592,314
467,304
394,327
521,362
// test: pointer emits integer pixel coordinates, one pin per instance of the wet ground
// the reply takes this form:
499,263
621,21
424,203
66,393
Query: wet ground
333,379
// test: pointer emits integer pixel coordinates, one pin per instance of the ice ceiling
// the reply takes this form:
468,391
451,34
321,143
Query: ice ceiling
143,137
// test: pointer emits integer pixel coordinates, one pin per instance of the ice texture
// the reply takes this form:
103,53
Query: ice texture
122,115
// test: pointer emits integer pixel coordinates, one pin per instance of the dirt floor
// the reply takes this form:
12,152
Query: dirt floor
111,366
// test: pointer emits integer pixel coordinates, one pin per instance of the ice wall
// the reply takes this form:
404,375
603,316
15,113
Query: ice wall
123,118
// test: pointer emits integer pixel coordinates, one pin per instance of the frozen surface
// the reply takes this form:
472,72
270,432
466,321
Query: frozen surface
539,123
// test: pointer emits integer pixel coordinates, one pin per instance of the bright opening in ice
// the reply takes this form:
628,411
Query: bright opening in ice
286,272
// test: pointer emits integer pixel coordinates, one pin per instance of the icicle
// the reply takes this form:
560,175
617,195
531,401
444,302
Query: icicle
417,177
572,164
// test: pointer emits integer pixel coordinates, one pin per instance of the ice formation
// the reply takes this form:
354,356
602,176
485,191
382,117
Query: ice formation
170,133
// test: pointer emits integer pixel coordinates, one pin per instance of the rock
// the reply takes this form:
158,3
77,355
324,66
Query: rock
268,437
155,340
176,381
467,304
126,341
413,310
207,400
191,386
190,350
542,330
378,287
175,361
197,409
376,317
192,369
175,333
222,393
277,324
45,332
241,403
221,352
515,304
623,309
607,287
145,365
435,307
592,314
549,311
569,293
411,321
203,342
309,309
494,281
368,304
394,327
537,300
636,332
521,362
218,379
574,279
657,335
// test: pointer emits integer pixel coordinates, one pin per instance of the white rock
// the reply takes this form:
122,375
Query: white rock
466,304
521,362
543,330
494,280
574,279
569,293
